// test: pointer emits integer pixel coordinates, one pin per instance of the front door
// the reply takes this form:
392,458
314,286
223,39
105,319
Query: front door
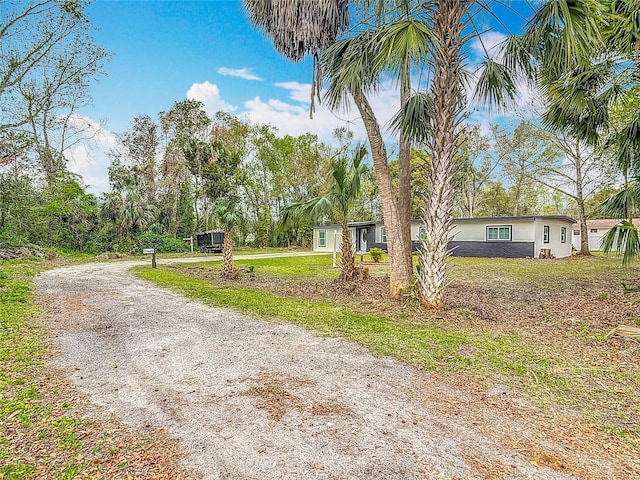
364,233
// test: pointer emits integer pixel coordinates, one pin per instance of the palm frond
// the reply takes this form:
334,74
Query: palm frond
350,65
495,86
623,27
299,27
403,43
517,57
623,238
623,204
414,119
565,31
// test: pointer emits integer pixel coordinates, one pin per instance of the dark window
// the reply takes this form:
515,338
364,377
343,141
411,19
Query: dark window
563,235
594,230
546,234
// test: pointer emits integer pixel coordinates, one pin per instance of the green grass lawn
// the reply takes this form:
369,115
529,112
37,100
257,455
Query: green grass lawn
538,361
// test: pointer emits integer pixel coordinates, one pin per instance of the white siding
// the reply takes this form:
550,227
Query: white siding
558,249
470,231
331,239
595,238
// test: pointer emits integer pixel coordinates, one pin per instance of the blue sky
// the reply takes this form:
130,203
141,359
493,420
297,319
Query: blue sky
167,51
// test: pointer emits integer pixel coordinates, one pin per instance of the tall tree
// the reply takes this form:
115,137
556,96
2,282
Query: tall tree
523,155
586,66
281,171
476,165
446,106
355,67
580,172
186,127
47,62
137,153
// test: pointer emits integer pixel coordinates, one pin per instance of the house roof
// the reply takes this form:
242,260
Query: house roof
515,218
465,220
604,223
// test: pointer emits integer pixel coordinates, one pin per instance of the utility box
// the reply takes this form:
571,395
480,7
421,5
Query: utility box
210,242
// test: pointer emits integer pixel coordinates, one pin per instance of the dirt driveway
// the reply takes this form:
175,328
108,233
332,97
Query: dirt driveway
251,399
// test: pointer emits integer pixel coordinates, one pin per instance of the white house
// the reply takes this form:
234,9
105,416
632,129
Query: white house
509,237
596,230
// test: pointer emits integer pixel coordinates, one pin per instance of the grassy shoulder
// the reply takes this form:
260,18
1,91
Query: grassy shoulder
507,325
429,346
44,432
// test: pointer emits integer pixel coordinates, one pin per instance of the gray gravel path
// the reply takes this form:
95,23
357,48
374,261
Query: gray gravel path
214,379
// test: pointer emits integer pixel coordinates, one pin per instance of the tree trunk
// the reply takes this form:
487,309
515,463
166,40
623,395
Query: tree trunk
404,185
227,254
584,235
348,259
398,238
447,94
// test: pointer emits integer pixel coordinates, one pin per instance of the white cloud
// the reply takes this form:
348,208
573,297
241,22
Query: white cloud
88,158
209,94
238,72
293,118
487,44
300,92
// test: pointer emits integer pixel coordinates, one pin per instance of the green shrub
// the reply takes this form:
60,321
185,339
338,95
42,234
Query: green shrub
376,254
163,243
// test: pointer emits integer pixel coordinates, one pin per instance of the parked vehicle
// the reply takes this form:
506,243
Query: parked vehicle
210,242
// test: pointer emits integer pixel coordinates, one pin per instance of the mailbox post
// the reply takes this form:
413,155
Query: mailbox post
152,252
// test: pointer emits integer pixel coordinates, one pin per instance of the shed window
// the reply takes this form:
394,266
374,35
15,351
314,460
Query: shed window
576,232
322,238
502,232
383,235
594,230
421,233
563,235
546,234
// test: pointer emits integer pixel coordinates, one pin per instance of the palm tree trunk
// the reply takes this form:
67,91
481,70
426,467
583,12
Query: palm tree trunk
348,259
398,238
447,96
404,184
227,254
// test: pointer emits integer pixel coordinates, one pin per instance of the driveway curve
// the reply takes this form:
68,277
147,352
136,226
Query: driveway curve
253,399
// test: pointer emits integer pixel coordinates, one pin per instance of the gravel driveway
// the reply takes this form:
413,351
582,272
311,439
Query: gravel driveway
252,399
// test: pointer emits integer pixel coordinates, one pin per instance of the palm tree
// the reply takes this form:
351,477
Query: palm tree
345,191
585,58
228,215
129,208
353,68
434,118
